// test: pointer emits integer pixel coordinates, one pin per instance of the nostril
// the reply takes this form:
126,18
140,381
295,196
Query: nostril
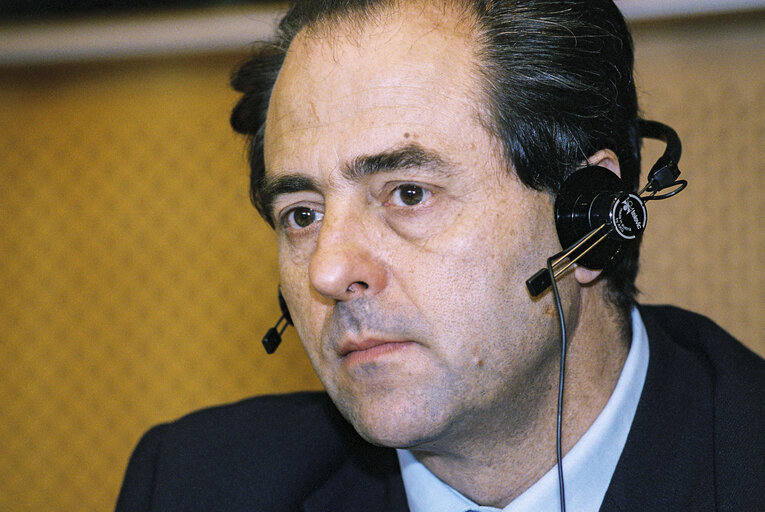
357,286
343,269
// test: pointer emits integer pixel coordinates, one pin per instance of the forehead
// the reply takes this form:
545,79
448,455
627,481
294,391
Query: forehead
413,70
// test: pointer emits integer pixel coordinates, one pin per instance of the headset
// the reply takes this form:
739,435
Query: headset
599,222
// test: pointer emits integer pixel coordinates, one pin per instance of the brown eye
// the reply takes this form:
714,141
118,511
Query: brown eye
409,195
302,217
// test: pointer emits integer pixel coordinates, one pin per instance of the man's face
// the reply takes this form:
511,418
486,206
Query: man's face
404,239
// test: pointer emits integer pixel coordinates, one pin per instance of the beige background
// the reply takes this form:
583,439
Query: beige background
137,280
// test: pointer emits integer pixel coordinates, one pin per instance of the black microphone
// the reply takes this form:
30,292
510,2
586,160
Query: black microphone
273,337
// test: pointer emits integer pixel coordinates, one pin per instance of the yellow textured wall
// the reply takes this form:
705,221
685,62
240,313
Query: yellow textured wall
703,249
137,280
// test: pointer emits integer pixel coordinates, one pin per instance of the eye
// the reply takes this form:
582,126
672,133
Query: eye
409,194
301,217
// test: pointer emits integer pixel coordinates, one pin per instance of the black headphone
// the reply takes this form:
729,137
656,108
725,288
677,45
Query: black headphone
597,219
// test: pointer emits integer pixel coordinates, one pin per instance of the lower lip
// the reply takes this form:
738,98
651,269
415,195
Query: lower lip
374,353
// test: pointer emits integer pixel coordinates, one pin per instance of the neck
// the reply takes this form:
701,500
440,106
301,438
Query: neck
501,463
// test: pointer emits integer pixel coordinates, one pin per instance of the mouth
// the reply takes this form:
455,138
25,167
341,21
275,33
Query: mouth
369,350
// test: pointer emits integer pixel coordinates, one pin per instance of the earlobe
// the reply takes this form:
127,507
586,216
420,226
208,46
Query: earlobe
585,276
608,159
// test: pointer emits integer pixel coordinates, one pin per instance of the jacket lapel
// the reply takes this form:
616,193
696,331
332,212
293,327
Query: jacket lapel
668,460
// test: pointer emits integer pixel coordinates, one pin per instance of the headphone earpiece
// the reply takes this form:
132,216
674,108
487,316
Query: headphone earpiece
592,197
598,220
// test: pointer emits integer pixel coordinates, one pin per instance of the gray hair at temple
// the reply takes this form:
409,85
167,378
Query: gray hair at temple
558,86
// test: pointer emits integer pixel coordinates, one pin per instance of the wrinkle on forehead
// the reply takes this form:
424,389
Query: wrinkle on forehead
449,25
326,53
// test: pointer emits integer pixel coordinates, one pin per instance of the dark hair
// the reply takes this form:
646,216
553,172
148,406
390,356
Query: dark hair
558,83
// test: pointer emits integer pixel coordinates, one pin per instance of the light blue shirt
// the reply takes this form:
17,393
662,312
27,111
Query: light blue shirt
587,467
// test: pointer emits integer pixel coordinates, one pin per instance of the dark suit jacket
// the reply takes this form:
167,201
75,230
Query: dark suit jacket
697,443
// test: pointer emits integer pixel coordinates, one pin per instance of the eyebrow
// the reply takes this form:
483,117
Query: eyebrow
274,187
411,156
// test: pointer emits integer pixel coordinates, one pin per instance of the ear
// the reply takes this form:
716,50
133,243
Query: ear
608,159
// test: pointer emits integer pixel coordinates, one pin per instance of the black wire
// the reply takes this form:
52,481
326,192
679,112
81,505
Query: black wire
559,420
680,184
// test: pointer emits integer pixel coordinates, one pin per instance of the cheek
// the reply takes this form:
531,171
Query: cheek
475,281
308,309
293,282
495,249
296,251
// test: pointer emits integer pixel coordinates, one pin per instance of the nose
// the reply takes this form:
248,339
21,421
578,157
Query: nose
345,264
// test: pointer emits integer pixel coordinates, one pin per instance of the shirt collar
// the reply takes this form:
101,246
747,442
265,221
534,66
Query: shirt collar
587,467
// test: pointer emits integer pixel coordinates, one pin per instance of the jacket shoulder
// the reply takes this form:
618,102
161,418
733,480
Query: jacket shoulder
737,377
700,335
262,453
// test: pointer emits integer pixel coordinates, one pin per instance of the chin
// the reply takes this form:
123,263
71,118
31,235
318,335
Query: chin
394,424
